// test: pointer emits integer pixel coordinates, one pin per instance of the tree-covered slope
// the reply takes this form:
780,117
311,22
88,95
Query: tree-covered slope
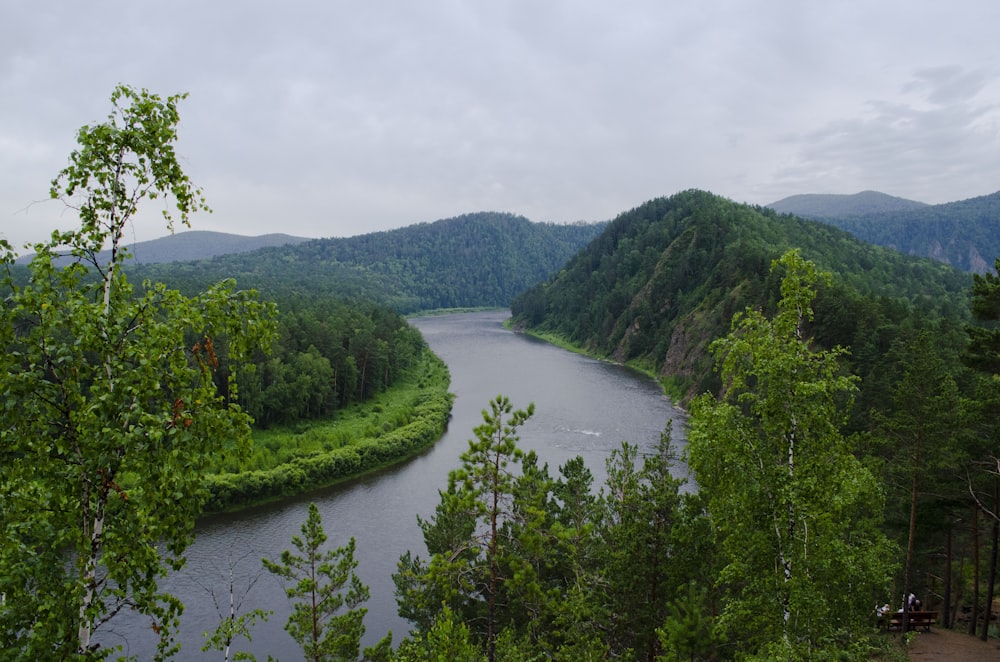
664,279
964,234
475,260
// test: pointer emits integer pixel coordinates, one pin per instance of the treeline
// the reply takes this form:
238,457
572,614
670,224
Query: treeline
410,417
347,387
329,354
475,260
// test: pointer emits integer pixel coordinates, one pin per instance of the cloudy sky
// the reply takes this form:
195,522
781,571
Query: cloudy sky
324,118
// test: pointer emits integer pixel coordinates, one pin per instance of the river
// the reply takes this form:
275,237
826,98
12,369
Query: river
582,407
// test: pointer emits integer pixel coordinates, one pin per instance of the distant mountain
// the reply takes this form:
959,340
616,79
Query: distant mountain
964,234
826,205
664,280
475,260
196,245
199,245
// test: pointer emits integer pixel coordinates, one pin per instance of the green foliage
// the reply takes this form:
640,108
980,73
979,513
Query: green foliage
323,584
919,431
642,565
482,488
234,623
447,640
112,405
983,353
796,514
688,633
512,555
392,427
121,162
231,628
330,354
664,280
475,260
545,569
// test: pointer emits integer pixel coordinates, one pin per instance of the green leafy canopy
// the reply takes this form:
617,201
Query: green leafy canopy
112,404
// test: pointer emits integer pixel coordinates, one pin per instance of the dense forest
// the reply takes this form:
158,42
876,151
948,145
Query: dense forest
476,260
663,283
964,234
665,279
328,354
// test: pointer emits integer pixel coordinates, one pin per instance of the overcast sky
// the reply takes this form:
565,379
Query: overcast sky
327,118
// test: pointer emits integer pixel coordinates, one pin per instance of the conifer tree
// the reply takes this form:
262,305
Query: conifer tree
642,503
327,619
468,538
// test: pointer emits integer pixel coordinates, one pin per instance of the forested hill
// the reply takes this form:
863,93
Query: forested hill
964,234
476,260
665,278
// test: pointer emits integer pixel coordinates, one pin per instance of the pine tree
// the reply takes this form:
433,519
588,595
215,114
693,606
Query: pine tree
324,584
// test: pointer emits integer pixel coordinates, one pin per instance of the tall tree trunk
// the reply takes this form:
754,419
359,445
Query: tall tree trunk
96,533
786,560
946,616
975,571
911,539
491,633
991,582
364,369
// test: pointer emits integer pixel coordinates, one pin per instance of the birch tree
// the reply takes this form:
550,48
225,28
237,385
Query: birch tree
112,404
794,511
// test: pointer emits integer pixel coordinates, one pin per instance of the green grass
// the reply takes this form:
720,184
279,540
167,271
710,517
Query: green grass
364,437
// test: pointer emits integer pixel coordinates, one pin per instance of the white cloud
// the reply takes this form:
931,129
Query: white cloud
337,118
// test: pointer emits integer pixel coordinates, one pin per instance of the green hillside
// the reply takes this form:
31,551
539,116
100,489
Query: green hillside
964,234
475,260
665,278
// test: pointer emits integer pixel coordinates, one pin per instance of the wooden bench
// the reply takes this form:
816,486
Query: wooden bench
918,619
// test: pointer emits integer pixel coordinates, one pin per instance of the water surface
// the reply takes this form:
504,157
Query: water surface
582,407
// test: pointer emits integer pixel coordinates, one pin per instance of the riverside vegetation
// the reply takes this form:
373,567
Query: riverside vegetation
864,420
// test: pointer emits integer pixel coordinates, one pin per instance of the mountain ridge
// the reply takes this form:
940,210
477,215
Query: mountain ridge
193,245
482,259
964,233
813,205
664,280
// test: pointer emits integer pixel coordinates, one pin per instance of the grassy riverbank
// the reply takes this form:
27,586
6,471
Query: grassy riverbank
289,460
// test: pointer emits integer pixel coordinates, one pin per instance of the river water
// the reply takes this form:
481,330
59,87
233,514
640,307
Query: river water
582,407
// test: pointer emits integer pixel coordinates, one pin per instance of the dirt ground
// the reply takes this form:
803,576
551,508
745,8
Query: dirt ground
941,645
